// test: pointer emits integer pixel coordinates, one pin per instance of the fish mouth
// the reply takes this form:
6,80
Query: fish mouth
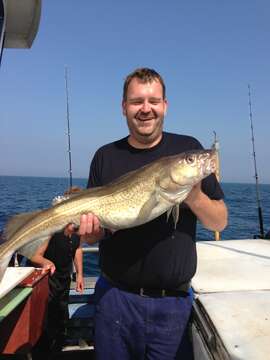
208,162
211,165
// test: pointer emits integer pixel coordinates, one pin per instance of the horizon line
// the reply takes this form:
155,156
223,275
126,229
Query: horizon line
85,178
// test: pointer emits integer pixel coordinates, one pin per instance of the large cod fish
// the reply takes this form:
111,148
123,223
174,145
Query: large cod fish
132,200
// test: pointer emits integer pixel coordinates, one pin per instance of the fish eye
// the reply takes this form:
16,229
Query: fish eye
190,159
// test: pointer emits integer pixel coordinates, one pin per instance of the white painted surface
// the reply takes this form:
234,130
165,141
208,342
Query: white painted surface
12,277
232,286
21,22
232,265
242,321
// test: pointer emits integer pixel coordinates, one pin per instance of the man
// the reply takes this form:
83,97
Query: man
143,297
57,255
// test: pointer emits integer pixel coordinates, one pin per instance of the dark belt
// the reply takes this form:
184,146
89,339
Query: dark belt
182,290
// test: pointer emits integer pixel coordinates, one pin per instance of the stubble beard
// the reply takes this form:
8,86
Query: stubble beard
147,138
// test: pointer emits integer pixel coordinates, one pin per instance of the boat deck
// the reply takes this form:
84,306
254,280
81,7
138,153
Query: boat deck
79,344
80,327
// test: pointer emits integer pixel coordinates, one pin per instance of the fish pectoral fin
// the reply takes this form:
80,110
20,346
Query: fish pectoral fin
169,211
30,249
175,214
147,208
174,210
16,222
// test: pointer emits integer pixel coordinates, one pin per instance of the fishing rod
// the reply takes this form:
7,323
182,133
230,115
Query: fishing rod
217,172
68,129
255,168
2,30
1,49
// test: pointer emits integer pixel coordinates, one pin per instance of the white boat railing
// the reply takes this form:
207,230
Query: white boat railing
91,249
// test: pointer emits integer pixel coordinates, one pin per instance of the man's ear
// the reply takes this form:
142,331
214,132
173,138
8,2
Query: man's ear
124,110
166,107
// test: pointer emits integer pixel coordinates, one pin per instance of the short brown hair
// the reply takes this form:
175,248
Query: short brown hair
145,75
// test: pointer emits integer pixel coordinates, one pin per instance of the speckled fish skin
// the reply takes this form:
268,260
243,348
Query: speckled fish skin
132,200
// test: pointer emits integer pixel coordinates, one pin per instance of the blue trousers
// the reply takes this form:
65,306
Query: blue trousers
130,326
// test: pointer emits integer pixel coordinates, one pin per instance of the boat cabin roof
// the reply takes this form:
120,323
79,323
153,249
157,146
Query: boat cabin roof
232,292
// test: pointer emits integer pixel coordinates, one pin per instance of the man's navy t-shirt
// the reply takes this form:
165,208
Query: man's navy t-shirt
155,254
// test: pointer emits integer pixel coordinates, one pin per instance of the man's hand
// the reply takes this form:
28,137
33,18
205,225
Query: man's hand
79,283
90,229
212,214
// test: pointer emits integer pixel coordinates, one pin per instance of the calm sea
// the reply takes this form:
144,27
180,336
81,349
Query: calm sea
21,194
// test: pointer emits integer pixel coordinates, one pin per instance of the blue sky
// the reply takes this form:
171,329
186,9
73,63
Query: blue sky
207,51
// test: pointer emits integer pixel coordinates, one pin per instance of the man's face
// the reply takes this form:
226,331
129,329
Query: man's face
144,109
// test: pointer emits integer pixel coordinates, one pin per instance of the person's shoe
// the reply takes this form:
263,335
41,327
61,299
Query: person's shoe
58,343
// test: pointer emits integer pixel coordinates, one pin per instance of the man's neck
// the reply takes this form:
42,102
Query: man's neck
141,144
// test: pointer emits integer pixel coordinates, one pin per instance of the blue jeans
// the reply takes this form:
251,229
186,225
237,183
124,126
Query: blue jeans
130,326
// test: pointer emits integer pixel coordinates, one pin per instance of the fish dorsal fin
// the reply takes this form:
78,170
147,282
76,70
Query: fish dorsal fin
17,221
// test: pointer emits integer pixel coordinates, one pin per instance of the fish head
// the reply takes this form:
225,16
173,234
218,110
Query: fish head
191,167
187,169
